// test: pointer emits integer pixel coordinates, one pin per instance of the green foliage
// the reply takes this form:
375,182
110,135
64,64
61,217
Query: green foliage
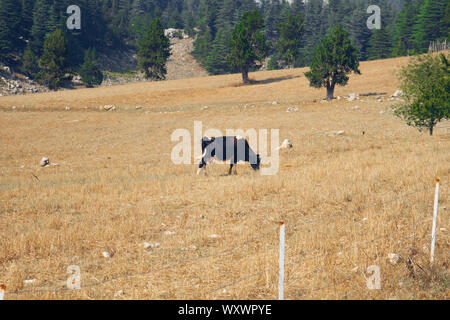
290,42
154,50
10,16
404,36
380,45
426,91
333,61
53,62
90,71
248,44
30,63
431,24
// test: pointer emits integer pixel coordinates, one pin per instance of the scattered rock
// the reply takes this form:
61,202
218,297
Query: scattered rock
397,94
336,133
189,248
67,108
292,109
119,293
214,236
30,281
109,108
169,233
148,245
274,103
286,144
393,258
106,254
352,97
138,107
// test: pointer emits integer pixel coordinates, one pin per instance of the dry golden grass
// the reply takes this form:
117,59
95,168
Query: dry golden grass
116,188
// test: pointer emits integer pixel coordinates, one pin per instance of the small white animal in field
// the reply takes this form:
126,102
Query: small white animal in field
45,162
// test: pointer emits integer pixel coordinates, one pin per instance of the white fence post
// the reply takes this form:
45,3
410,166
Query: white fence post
2,291
281,275
433,233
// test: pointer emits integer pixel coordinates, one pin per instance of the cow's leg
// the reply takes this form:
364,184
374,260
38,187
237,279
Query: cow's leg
231,167
235,170
202,166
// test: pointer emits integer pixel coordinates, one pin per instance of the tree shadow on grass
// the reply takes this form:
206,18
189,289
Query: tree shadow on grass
265,81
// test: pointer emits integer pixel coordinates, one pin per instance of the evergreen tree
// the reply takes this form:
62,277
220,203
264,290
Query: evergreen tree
90,71
30,61
154,50
404,36
314,30
430,25
41,25
53,62
248,44
27,18
380,45
333,61
10,17
216,62
359,33
290,43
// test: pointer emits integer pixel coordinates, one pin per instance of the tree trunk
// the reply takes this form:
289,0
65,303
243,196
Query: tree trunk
330,92
245,76
431,130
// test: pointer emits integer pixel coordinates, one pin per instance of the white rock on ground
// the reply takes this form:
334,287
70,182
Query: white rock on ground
397,93
286,144
393,258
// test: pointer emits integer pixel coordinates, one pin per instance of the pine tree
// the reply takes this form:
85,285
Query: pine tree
430,25
380,45
290,43
27,18
333,61
53,62
41,26
359,33
10,17
314,30
404,37
154,51
248,44
217,63
30,61
90,71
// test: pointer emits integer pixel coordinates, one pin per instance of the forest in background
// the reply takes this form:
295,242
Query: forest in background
408,26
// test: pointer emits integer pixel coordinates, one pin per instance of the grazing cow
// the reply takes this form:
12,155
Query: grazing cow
234,149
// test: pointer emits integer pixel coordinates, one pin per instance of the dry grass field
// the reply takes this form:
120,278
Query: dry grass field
348,201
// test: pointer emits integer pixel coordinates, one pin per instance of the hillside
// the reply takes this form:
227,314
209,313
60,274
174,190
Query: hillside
119,67
357,186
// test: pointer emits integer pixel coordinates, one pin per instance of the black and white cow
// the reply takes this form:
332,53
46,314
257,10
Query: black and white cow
230,148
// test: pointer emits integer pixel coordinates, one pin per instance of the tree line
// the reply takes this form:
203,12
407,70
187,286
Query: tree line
292,30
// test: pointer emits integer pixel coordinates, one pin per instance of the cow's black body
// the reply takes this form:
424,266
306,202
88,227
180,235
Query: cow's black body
230,148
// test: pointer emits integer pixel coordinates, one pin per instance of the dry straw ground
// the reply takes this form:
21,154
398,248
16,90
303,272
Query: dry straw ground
116,188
